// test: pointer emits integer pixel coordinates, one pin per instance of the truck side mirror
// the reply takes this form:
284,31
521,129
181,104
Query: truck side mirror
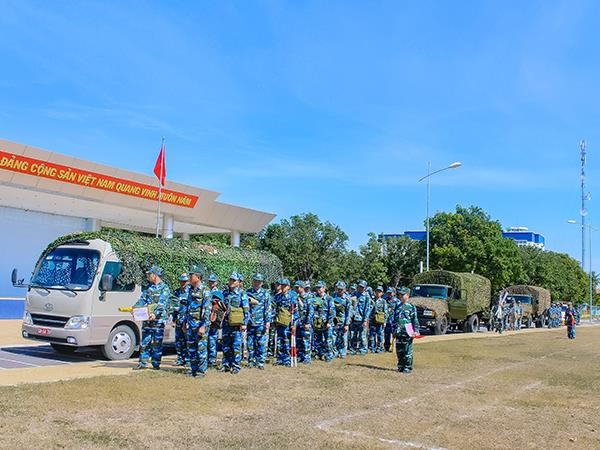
13,277
106,283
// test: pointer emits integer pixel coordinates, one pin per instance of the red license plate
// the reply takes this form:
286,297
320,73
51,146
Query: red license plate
44,331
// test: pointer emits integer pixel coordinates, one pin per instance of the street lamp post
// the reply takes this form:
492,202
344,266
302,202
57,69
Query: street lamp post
590,229
427,177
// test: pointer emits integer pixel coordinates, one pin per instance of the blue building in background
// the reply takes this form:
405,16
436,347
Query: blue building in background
521,235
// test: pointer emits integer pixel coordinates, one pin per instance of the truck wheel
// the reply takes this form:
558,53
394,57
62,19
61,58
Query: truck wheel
120,343
63,349
441,326
473,324
529,322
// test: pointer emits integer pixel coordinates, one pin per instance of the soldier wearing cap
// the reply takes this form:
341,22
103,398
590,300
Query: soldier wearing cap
391,300
216,318
260,320
179,302
323,323
406,327
197,322
306,313
275,290
286,319
378,319
343,315
360,320
235,323
156,298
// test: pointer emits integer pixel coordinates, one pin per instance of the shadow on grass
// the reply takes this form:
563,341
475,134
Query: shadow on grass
370,366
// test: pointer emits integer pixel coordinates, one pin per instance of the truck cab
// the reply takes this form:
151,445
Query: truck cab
73,301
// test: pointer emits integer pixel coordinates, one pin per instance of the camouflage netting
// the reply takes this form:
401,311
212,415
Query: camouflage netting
476,289
540,297
176,256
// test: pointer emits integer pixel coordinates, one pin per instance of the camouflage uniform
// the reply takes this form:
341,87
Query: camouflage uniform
404,314
180,301
232,334
306,312
360,315
260,316
216,323
389,328
197,321
285,302
323,323
343,315
157,297
380,310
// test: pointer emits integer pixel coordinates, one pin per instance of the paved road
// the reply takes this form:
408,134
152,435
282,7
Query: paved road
21,357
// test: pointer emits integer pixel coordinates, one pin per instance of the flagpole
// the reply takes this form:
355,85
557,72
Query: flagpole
162,164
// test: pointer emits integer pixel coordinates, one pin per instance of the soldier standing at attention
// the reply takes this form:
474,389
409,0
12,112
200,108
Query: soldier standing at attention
378,318
323,323
407,327
156,298
343,316
234,324
360,320
286,319
260,322
306,313
570,321
179,311
388,330
197,322
216,320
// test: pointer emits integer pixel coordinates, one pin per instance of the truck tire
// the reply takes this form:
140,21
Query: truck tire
120,344
529,322
63,349
473,324
441,325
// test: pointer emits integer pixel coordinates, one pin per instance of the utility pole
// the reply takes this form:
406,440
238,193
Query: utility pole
584,197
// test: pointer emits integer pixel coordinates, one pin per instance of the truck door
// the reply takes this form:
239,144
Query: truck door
457,304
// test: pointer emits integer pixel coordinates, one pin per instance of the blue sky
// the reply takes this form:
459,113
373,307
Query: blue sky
326,107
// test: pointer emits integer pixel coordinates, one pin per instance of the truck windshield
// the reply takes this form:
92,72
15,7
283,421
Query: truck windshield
430,291
522,298
67,268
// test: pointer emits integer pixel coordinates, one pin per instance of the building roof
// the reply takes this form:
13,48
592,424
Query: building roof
45,181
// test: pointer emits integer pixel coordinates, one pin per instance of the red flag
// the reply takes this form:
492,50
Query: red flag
160,168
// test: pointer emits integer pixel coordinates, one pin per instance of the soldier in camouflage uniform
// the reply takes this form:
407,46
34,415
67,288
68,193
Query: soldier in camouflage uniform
276,289
306,313
343,315
388,332
323,323
405,315
360,320
156,298
286,319
197,322
179,302
378,319
260,321
234,324
216,320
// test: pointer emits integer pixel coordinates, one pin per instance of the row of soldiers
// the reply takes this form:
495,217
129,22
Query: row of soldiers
326,326
506,316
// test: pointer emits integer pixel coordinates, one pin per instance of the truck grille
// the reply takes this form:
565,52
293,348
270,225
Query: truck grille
49,321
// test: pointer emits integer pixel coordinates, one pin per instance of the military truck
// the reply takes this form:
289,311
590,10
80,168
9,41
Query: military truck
535,301
451,300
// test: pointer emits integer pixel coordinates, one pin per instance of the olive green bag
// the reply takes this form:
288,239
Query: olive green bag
380,318
236,317
284,317
318,323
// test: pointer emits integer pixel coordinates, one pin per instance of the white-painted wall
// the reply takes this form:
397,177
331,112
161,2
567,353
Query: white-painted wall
23,237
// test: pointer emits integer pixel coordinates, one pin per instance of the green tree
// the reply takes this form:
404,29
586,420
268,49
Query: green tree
373,266
401,259
468,240
308,248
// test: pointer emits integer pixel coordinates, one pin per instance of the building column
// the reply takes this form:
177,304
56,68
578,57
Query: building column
167,229
235,238
93,224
